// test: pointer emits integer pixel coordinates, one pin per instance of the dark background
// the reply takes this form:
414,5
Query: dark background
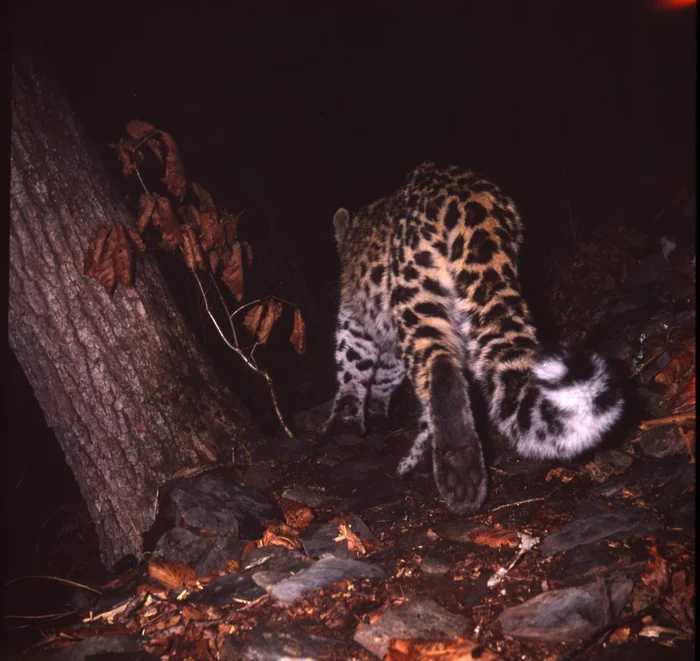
584,112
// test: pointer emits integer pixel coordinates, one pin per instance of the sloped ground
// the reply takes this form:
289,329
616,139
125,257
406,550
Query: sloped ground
318,551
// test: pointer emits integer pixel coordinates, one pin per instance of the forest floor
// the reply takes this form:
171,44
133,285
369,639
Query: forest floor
318,551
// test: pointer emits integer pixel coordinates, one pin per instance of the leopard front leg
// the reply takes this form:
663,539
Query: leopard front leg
356,356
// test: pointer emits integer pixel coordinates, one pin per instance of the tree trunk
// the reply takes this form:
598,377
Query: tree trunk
120,378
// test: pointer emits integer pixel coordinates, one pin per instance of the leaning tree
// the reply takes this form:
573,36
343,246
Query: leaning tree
121,379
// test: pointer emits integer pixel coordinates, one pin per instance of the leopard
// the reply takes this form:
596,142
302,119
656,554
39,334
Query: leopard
430,291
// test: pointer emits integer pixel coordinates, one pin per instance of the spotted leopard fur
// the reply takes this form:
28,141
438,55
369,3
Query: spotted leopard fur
429,289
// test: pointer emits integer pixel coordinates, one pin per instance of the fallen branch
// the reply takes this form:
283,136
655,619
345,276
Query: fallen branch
668,420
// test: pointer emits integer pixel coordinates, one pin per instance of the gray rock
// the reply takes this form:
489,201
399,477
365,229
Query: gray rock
308,497
180,544
662,442
89,647
319,540
414,619
273,557
596,522
435,565
258,476
229,589
567,615
322,573
455,531
269,644
215,503
220,550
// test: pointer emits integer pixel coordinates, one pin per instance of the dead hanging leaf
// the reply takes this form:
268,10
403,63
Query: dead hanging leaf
656,573
194,257
298,336
494,538
230,223
253,317
138,129
212,232
136,239
121,254
273,311
248,250
213,257
233,272
171,574
174,177
147,203
445,650
296,514
93,255
124,149
165,221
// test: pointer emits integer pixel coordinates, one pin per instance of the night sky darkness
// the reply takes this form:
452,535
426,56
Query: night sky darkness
291,110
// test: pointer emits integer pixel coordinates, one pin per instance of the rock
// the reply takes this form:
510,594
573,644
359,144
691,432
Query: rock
180,544
97,646
283,451
272,557
662,442
319,540
595,522
567,615
229,589
435,565
606,464
414,619
455,531
308,497
258,476
322,573
269,644
219,551
215,503
611,487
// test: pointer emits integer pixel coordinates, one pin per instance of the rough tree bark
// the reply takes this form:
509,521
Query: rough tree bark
121,379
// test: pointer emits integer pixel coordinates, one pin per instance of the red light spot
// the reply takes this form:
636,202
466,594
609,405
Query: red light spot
672,5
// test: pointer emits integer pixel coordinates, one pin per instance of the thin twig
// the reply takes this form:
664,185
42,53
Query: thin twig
667,420
518,502
54,578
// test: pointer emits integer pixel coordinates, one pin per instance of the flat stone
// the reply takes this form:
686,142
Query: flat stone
322,573
595,522
229,589
258,476
218,553
435,565
268,644
662,442
319,540
308,497
420,618
567,615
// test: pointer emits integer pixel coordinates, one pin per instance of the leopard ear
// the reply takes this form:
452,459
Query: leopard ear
341,220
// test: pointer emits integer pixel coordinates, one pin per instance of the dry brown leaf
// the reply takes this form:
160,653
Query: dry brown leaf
560,473
213,256
656,573
273,311
230,222
689,440
620,635
213,234
280,534
138,129
193,253
165,221
174,177
253,317
248,250
136,239
124,149
298,336
682,597
296,514
147,203
172,574
93,255
233,272
495,538
445,650
121,254
355,544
